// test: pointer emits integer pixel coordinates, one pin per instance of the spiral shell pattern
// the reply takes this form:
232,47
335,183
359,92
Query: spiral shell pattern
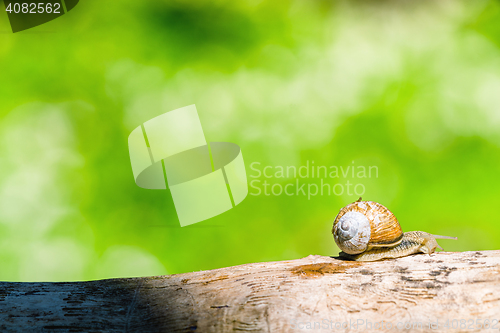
363,225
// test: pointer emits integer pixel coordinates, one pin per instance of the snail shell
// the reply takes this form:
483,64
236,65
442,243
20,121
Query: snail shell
368,231
364,225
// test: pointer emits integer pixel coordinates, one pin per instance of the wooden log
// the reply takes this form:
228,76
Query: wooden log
419,293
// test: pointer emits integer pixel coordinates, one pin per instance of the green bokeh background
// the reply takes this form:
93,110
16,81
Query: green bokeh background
410,87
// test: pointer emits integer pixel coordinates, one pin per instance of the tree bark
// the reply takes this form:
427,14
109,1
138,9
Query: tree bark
419,293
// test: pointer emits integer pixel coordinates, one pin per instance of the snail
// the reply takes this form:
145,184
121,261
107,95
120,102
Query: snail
368,231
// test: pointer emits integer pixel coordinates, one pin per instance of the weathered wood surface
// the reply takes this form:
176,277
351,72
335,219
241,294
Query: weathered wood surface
407,294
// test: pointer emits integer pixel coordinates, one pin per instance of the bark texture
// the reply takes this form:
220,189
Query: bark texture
315,293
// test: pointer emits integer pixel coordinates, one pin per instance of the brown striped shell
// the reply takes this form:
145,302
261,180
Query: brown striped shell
363,225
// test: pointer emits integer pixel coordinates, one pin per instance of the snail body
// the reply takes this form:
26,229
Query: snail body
368,231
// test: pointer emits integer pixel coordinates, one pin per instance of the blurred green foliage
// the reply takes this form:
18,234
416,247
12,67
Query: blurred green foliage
412,88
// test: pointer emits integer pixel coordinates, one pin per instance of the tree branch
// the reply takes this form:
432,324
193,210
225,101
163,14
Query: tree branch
287,296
